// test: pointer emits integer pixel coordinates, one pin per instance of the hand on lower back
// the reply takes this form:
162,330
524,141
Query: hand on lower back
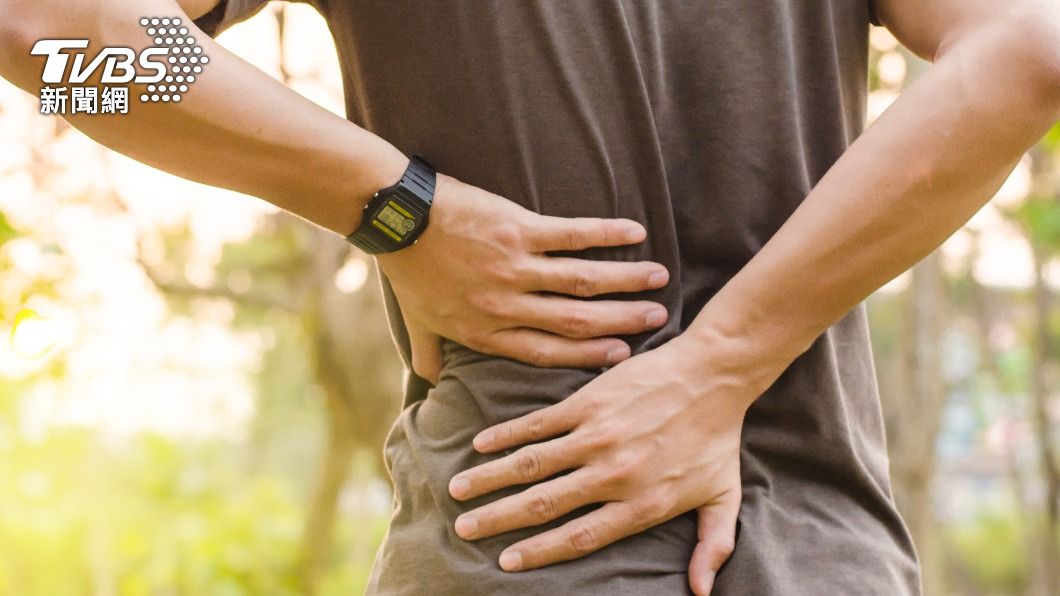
650,439
479,275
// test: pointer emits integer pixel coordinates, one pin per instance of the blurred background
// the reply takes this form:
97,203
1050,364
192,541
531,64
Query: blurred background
194,387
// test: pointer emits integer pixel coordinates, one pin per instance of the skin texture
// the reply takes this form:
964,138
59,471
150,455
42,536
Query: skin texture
918,174
221,134
497,309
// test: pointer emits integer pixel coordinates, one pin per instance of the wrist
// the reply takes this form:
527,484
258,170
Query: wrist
737,363
439,218
336,178
382,166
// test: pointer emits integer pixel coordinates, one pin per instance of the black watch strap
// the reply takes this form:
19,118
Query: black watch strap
413,194
420,177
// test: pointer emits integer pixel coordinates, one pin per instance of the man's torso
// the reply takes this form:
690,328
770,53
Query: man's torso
708,122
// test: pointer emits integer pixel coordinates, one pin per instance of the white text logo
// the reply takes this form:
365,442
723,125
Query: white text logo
167,69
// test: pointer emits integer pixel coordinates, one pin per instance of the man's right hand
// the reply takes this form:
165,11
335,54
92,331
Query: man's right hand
480,276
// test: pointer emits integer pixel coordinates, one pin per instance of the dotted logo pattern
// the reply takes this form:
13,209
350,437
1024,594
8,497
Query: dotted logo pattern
185,59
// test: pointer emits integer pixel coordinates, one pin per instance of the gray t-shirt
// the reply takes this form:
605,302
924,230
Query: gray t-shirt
708,121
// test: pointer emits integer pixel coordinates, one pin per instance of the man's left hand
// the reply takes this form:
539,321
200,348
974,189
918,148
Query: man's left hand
652,438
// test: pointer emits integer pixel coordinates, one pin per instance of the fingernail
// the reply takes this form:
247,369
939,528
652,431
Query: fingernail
655,317
466,526
511,561
459,487
658,279
482,441
617,355
635,234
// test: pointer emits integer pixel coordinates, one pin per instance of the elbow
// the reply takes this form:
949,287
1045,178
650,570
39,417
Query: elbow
1046,53
8,61
1036,50
14,25
10,31
1053,68
17,36
1024,44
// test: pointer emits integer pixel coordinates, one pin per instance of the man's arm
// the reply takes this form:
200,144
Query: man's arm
916,176
659,434
236,128
240,129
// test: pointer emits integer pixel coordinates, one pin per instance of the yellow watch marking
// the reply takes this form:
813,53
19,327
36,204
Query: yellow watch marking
386,230
398,208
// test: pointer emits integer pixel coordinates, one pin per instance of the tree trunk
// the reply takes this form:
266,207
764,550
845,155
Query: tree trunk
914,412
357,370
334,472
1045,535
1048,577
915,398
360,373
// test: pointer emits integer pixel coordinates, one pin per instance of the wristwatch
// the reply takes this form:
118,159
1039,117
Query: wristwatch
396,215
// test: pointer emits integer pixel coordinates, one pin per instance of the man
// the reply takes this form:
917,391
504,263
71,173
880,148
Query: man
727,130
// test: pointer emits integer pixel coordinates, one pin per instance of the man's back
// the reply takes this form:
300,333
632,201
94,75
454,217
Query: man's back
708,122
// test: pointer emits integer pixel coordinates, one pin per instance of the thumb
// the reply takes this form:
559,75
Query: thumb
426,352
717,539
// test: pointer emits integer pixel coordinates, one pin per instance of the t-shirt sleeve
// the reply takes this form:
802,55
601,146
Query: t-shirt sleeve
228,13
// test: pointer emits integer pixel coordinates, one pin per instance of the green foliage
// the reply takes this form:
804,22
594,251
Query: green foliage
1051,142
289,427
1013,367
7,231
992,553
151,516
1040,217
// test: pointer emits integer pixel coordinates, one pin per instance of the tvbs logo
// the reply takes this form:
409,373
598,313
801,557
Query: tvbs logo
167,68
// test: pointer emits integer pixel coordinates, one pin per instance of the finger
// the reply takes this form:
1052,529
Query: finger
536,505
583,319
580,277
426,352
574,539
535,426
547,350
547,233
717,539
528,464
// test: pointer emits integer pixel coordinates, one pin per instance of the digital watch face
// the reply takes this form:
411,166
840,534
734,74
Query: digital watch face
393,220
